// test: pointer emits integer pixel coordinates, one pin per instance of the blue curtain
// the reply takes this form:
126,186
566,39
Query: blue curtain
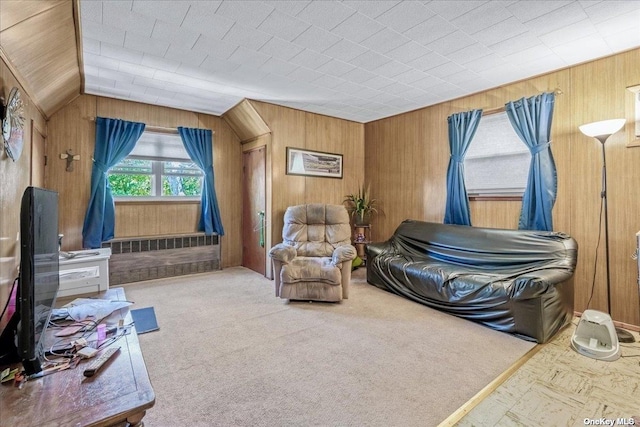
199,146
462,128
114,141
531,119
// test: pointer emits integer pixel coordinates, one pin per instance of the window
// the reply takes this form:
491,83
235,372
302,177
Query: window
497,161
157,168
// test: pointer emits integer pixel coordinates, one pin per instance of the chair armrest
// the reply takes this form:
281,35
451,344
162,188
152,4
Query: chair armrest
283,253
343,253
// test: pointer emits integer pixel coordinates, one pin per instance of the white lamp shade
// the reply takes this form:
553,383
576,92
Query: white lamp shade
603,128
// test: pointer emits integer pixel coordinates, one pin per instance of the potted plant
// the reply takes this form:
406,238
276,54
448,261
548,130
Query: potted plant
361,206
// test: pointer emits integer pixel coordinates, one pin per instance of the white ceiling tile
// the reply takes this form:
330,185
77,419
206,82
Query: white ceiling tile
316,38
174,34
410,76
305,74
120,53
430,30
173,12
137,70
359,75
212,66
186,56
489,61
534,53
287,6
557,19
310,59
131,88
503,30
101,61
482,17
104,33
430,60
284,26
451,42
405,15
372,9
250,13
428,82
408,52
385,40
500,73
451,9
569,33
541,65
335,68
370,60
532,9
120,15
328,81
280,48
278,66
469,53
379,82
248,57
160,93
92,80
201,18
624,40
611,9
391,69
515,44
345,50
91,46
442,71
325,14
620,23
246,36
219,48
146,44
158,63
91,11
462,77
357,28
583,49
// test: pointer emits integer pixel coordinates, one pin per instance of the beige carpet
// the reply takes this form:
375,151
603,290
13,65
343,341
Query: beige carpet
228,353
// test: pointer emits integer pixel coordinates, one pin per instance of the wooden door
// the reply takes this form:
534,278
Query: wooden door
254,230
38,159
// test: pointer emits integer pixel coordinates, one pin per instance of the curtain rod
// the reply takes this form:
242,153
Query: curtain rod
557,91
155,129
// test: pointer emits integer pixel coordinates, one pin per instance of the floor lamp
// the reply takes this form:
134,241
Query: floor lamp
596,335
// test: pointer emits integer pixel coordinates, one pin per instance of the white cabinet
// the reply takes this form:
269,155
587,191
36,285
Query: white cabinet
87,271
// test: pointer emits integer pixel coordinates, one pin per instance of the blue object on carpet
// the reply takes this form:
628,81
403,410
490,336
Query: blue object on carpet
144,320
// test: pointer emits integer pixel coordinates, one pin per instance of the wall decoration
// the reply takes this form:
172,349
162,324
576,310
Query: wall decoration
633,116
313,163
13,125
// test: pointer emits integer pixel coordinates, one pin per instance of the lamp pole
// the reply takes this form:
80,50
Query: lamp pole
603,194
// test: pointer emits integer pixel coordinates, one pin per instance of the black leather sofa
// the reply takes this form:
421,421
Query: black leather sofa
510,280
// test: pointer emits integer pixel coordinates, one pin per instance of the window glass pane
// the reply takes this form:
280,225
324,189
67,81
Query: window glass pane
132,165
130,184
181,168
497,161
173,185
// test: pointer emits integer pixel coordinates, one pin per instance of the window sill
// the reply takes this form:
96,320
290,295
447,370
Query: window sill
495,198
157,201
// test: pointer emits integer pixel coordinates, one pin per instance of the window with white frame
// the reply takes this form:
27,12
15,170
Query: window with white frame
157,168
497,161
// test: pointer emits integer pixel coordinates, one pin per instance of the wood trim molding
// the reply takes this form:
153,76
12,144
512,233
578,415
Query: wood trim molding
78,27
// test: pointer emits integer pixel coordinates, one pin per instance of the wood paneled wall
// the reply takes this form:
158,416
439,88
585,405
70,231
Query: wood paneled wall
14,178
294,128
407,157
72,127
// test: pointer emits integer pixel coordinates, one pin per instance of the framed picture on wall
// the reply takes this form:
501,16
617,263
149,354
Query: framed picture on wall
313,163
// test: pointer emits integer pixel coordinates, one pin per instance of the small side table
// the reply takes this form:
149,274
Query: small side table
87,271
361,238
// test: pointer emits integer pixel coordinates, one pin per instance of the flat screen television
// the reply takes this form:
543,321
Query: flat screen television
23,337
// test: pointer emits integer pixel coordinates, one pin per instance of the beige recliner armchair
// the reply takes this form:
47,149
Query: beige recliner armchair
314,260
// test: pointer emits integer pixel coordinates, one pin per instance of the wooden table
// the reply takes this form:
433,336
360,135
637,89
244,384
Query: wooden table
119,394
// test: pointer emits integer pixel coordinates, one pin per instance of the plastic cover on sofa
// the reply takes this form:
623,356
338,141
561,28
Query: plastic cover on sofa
510,280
